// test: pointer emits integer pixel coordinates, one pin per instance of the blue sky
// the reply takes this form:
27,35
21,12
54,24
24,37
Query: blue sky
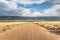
31,8
37,7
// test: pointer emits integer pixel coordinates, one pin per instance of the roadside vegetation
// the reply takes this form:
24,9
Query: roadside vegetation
4,26
50,26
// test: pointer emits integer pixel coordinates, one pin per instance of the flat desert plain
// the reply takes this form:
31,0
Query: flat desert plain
28,31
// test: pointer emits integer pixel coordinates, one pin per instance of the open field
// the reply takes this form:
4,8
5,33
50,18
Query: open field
27,31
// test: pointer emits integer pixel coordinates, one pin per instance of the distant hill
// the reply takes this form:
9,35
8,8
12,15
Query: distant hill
28,18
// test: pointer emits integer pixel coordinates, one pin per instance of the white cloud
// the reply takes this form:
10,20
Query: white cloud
54,11
29,1
54,1
9,8
36,14
27,12
10,4
57,1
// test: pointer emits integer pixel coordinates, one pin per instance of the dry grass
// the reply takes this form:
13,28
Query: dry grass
4,26
52,26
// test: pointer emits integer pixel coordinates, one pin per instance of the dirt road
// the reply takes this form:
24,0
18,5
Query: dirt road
28,31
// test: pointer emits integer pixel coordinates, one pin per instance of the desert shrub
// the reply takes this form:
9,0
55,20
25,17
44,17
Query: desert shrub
4,29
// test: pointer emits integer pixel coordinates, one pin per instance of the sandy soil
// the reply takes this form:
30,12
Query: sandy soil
28,31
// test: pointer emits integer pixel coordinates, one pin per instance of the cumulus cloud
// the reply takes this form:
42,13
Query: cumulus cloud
54,11
29,1
10,4
54,1
10,8
26,1
27,12
36,14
